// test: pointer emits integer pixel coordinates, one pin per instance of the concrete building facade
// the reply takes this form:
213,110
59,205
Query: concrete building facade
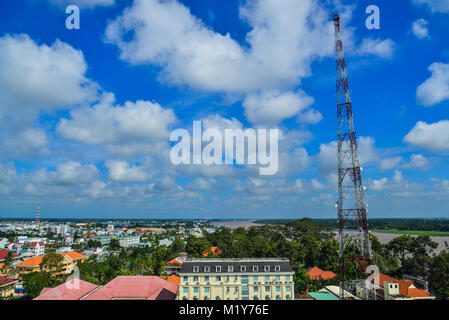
236,279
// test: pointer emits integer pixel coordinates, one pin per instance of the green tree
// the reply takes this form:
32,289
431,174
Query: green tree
114,244
34,282
439,275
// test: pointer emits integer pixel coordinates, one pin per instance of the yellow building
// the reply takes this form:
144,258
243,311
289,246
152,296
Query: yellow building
7,287
70,259
236,279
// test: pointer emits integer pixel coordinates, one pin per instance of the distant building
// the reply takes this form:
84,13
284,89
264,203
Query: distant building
38,248
70,259
236,279
7,286
390,288
130,241
103,239
3,243
110,228
174,266
165,242
120,288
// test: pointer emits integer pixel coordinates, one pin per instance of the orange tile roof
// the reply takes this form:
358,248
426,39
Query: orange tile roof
214,250
36,261
74,255
316,273
404,286
174,262
1,265
31,262
174,279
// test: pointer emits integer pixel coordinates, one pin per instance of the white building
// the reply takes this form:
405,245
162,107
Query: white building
110,228
38,248
127,242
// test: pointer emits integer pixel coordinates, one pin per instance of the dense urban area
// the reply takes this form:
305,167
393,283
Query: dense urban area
213,260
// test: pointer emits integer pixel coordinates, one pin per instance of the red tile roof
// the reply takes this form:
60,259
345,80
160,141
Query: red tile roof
5,280
72,290
33,244
135,287
316,273
4,253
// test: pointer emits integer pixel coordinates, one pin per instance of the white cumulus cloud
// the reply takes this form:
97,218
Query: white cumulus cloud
435,89
433,137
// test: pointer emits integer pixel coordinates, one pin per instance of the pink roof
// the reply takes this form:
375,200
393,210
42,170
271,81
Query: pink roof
67,291
137,287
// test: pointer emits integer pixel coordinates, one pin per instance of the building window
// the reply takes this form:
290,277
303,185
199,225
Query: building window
185,279
278,297
267,297
236,289
267,278
195,279
277,268
230,269
206,290
288,297
196,269
278,278
207,269
185,290
255,268
242,268
267,289
236,278
278,289
287,278
217,298
256,298
256,289
206,278
218,269
266,268
255,278
195,289
228,289
218,278
206,298
288,289
227,278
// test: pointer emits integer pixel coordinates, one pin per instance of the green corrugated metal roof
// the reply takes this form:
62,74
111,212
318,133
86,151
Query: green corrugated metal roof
322,296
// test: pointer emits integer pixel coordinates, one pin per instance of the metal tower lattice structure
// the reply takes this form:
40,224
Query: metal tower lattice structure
351,199
37,212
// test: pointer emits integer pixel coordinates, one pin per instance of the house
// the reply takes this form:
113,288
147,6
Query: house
316,273
394,289
173,266
38,248
68,240
3,243
70,259
120,288
7,286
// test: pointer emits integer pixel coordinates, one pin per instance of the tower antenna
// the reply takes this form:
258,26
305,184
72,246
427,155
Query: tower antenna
351,200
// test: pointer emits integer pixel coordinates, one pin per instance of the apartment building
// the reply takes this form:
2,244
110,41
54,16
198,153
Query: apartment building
130,241
236,279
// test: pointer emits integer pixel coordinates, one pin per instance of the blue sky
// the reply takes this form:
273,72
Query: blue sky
85,115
